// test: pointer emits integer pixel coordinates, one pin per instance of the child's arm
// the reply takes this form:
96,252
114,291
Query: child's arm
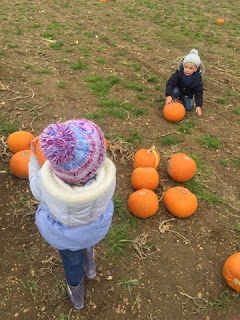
169,100
170,85
199,111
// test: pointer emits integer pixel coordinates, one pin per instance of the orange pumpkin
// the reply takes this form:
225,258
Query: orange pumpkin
231,271
174,112
146,158
147,178
106,143
18,163
220,21
143,203
40,156
180,202
19,140
181,167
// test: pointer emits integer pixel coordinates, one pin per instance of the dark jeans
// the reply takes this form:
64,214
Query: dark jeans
73,265
187,102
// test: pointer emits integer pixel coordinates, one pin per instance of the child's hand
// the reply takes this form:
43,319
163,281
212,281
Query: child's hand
33,146
199,111
169,100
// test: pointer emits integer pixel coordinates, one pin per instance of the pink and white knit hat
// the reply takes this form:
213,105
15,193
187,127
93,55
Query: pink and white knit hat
75,149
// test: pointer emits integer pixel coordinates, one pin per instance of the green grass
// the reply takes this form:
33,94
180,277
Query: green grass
31,286
47,35
209,142
102,61
227,302
79,65
201,193
28,66
236,227
236,163
232,94
62,84
44,71
169,140
236,110
151,77
186,127
56,45
118,239
224,162
8,128
128,284
101,86
222,100
133,86
85,51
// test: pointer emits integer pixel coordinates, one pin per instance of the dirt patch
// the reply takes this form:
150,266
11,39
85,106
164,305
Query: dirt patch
177,263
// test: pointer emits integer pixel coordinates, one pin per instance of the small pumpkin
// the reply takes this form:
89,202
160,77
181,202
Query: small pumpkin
181,167
146,158
143,203
18,163
40,156
106,143
180,202
19,140
145,178
174,111
220,21
231,271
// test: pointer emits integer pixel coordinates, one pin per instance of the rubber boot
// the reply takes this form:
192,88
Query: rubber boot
89,263
76,294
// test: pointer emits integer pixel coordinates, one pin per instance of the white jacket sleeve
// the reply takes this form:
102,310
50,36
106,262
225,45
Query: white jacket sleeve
34,177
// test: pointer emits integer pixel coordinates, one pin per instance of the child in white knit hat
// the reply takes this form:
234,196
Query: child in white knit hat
186,82
74,187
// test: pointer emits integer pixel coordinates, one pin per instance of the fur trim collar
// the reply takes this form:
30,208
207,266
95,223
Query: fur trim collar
74,194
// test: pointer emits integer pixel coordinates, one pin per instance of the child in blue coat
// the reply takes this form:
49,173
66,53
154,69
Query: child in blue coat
186,82
75,187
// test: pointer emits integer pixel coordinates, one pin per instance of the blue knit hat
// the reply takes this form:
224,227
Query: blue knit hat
192,57
75,149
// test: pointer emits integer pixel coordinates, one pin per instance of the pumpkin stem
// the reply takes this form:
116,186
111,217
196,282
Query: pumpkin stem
152,149
236,282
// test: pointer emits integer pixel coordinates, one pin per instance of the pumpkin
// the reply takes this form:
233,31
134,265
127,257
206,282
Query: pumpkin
220,21
106,143
143,203
18,163
181,167
231,271
19,140
180,202
146,158
145,178
174,111
40,156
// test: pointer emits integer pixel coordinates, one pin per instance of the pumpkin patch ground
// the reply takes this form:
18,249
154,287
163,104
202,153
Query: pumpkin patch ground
109,61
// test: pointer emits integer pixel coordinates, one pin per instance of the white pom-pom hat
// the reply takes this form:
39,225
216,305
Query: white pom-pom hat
192,57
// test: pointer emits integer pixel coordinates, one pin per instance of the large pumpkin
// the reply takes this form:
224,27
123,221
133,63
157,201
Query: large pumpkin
146,158
181,167
174,111
147,178
180,202
18,163
19,140
40,156
231,271
143,203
